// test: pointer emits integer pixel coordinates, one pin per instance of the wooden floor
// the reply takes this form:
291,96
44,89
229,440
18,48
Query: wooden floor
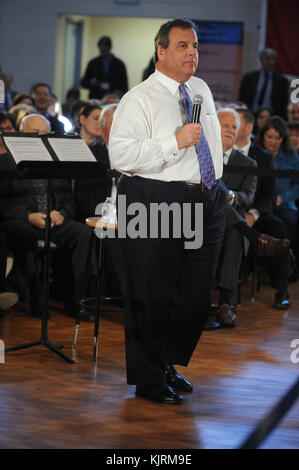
238,375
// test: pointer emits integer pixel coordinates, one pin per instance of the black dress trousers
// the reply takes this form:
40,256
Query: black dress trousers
167,287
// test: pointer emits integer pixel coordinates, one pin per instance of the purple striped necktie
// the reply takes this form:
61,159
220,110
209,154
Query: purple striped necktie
202,148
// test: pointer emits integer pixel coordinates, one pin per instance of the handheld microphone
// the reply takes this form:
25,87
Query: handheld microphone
197,102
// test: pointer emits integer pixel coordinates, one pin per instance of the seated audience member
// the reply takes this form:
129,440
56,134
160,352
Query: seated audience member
23,214
75,115
21,110
42,95
241,195
110,98
260,116
95,102
293,127
72,97
274,137
106,119
236,105
7,124
22,98
54,108
89,193
8,293
293,112
260,215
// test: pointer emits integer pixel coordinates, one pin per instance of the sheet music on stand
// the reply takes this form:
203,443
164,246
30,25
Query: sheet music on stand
65,156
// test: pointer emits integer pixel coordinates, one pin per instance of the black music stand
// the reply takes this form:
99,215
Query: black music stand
45,307
49,170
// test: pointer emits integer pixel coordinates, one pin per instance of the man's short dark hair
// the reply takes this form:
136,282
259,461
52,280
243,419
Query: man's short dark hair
105,41
293,125
247,115
4,116
37,85
267,51
162,36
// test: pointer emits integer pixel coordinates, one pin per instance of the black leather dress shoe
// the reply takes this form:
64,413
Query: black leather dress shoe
160,393
211,324
226,317
176,381
282,301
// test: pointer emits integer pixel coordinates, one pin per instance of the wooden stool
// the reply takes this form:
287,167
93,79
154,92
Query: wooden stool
96,223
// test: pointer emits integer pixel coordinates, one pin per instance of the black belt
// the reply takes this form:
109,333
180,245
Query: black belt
181,184
194,186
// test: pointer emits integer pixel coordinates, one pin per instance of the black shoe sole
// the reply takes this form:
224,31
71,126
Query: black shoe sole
281,307
155,398
230,325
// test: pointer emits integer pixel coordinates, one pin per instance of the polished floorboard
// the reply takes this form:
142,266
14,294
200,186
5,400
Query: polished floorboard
238,375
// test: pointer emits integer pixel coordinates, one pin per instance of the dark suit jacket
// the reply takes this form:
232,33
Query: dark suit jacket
117,77
266,189
244,186
17,200
56,125
280,91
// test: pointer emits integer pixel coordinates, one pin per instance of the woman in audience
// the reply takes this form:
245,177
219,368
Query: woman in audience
20,111
22,98
89,193
260,118
274,137
293,127
75,115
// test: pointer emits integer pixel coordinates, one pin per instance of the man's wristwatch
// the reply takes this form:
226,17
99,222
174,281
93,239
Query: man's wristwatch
231,196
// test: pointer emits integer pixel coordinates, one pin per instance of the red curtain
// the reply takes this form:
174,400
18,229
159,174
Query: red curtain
283,34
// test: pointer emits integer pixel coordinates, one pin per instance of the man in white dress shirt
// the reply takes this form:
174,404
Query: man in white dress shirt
152,143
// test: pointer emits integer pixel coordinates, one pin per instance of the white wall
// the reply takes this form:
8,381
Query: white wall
29,30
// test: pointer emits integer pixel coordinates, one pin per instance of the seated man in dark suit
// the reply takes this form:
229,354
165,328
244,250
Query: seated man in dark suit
241,195
42,95
265,88
23,213
260,215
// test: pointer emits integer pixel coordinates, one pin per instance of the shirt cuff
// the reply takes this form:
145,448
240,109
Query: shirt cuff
255,213
169,148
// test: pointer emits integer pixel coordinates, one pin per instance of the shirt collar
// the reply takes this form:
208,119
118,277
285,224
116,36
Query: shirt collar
171,84
227,155
244,149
